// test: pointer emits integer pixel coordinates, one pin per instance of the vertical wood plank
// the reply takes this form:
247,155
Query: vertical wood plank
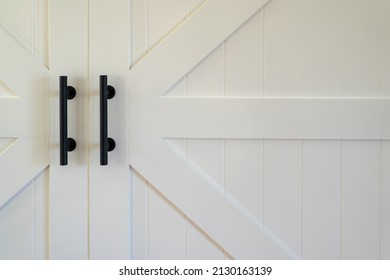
179,146
385,48
200,246
140,216
167,229
69,184
322,48
164,16
361,48
17,226
41,213
207,78
244,54
244,174
139,30
109,227
282,190
385,200
17,18
360,232
321,200
283,48
42,30
208,156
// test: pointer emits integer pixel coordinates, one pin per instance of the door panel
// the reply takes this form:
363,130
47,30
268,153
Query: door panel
322,44
298,178
17,17
17,225
167,229
257,129
385,200
24,221
361,48
385,48
109,186
283,49
24,132
69,184
282,193
244,54
360,232
321,199
148,224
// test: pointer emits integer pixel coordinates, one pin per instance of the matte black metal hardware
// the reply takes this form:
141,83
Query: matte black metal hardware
106,144
66,144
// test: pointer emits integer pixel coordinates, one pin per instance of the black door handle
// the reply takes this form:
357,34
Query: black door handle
66,144
106,144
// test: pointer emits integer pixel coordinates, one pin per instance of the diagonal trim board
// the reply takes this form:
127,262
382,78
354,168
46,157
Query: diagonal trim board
24,117
175,56
19,163
300,118
22,72
242,237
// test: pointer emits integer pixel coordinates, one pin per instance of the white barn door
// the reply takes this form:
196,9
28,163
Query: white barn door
43,206
252,128
24,130
260,129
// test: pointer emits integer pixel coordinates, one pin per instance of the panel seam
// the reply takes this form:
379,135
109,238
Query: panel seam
88,135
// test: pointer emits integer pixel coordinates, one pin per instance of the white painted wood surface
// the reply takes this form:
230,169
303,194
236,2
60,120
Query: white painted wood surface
244,54
321,199
298,75
24,131
322,43
277,120
24,117
30,156
192,42
385,200
361,27
281,118
385,48
243,173
69,184
17,226
283,48
360,202
224,221
283,194
109,190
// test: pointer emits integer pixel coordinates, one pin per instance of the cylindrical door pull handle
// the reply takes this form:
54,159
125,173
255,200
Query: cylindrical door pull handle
106,144
66,144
